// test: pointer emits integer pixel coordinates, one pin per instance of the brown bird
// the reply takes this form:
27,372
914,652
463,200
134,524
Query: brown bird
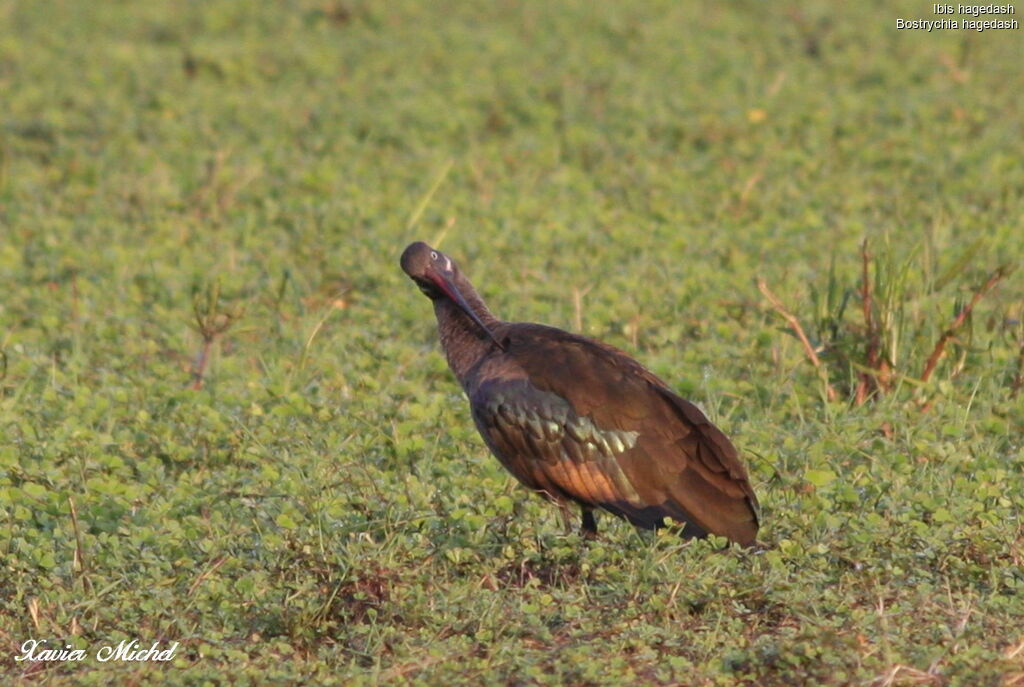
581,422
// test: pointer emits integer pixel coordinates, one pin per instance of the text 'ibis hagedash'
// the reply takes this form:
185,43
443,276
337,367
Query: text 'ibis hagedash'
581,422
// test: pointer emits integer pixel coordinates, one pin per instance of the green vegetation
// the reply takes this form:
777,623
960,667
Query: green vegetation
308,501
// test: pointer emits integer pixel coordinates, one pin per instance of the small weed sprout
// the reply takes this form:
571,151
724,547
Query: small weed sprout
876,355
1018,377
211,321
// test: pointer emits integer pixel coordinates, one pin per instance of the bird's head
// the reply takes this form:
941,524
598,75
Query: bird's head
433,271
438,277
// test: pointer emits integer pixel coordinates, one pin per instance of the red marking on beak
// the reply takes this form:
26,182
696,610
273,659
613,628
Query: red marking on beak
452,291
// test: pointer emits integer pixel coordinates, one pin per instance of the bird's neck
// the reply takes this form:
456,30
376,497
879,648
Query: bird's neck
464,343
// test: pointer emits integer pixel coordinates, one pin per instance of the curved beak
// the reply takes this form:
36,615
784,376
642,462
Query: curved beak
445,282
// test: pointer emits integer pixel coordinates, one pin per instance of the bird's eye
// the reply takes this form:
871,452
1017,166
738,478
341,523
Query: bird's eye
433,255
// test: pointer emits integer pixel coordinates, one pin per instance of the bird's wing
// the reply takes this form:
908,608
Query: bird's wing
586,422
539,438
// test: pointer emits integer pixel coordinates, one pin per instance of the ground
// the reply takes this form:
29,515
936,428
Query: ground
225,420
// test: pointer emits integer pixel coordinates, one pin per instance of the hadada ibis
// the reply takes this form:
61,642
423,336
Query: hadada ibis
579,421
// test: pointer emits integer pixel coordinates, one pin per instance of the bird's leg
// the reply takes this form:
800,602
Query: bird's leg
589,529
566,517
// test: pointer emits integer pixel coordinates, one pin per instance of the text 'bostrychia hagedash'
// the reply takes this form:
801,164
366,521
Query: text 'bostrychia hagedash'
581,422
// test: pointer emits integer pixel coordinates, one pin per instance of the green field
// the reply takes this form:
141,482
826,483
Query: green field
322,511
